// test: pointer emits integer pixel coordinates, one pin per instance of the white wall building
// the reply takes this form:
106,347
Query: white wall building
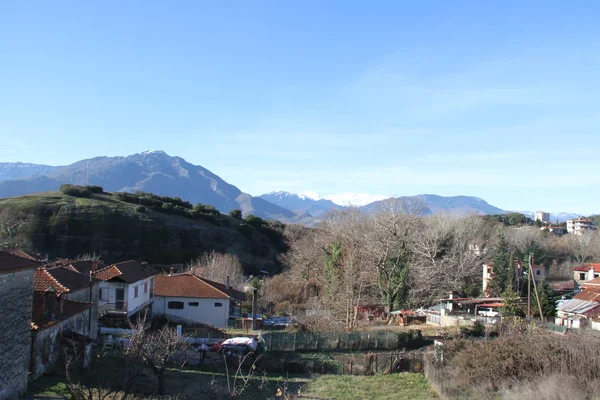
542,216
125,287
579,226
189,298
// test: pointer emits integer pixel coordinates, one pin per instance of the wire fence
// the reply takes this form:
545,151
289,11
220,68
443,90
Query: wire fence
342,341
370,363
442,382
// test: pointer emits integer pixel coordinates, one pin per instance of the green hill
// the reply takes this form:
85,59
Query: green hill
61,225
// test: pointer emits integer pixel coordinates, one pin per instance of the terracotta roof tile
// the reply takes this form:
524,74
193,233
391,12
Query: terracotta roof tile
236,294
108,273
185,285
586,267
63,280
589,294
126,271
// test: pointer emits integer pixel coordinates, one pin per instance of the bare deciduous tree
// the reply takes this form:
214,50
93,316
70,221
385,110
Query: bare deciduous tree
156,349
218,266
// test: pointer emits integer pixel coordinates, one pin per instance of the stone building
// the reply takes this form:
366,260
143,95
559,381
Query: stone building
65,319
16,294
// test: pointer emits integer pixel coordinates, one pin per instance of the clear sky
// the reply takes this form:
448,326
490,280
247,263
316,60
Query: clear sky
496,99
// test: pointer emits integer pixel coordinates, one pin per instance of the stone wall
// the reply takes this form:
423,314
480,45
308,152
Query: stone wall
48,356
16,295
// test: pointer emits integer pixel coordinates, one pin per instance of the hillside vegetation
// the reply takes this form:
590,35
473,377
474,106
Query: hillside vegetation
142,226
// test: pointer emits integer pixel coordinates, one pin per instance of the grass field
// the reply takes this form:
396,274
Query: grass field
403,386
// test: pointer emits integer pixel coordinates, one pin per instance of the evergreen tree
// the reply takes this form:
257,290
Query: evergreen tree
513,306
545,294
502,270
333,256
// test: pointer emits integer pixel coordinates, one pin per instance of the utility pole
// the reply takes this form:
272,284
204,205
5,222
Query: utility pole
529,287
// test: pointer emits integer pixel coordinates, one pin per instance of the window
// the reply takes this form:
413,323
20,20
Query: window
537,271
582,276
596,275
193,304
100,294
136,291
218,304
175,305
145,287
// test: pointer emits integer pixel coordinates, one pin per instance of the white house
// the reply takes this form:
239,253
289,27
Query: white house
125,288
187,297
586,272
580,225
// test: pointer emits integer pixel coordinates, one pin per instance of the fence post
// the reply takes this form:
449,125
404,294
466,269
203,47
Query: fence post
294,342
350,367
343,365
376,367
391,361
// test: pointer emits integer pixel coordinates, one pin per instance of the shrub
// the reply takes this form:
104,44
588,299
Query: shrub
255,221
95,189
74,190
237,214
140,209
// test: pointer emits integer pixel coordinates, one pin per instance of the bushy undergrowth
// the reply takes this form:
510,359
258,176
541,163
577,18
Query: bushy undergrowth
517,364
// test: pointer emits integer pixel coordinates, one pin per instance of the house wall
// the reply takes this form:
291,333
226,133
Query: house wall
84,297
47,351
205,312
16,296
134,304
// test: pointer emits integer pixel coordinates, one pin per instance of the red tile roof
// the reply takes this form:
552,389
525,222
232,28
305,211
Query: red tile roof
108,273
126,271
594,283
185,285
586,267
12,263
61,280
231,292
589,294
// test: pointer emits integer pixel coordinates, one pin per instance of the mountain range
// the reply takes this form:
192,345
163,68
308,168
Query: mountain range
165,175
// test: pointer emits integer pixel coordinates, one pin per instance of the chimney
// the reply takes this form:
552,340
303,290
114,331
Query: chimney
227,282
590,273
94,265
171,271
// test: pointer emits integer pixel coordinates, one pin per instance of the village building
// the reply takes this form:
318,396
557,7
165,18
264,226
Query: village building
579,226
125,289
586,272
542,216
583,310
539,273
189,298
64,319
16,296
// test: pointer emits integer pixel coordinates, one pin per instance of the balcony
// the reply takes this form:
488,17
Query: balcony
117,308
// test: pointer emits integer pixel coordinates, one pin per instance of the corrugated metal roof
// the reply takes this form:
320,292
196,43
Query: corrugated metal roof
576,306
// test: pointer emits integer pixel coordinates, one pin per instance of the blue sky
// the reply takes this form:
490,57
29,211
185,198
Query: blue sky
491,99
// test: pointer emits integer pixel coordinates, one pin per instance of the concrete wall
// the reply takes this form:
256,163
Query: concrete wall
47,352
133,303
84,297
205,312
16,296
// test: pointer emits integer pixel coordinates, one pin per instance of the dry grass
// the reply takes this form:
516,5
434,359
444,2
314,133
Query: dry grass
404,386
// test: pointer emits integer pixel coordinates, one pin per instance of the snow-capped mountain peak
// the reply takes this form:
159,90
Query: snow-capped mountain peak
354,199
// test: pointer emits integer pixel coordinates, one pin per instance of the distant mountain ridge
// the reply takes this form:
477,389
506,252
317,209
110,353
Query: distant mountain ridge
18,170
165,175
300,203
150,171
